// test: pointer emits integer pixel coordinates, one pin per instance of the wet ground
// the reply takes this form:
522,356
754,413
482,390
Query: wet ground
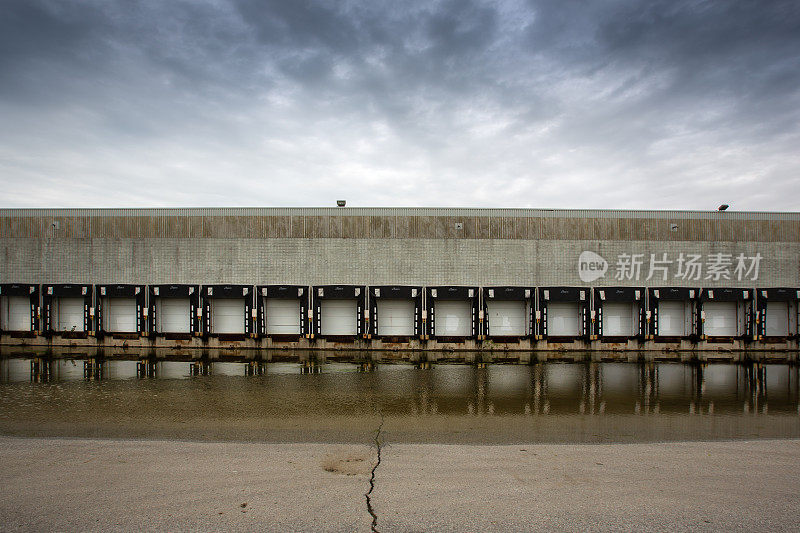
450,404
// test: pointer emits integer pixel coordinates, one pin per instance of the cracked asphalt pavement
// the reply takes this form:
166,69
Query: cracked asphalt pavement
123,485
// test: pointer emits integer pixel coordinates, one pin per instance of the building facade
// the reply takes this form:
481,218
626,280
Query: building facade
529,276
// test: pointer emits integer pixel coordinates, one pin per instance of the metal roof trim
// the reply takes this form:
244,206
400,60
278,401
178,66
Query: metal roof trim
399,211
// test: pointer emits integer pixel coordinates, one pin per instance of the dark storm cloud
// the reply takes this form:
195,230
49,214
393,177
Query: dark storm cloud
560,103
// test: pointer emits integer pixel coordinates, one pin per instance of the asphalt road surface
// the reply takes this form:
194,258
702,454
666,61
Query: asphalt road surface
125,485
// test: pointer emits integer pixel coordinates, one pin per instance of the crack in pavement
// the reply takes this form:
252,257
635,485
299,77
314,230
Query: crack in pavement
378,446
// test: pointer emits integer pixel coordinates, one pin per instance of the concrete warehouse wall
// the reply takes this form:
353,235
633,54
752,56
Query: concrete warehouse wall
390,246
396,223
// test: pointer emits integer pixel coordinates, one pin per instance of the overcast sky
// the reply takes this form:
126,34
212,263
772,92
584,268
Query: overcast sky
605,104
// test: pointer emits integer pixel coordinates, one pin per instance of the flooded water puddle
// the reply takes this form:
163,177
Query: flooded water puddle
339,402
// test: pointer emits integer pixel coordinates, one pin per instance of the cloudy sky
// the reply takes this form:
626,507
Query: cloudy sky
557,103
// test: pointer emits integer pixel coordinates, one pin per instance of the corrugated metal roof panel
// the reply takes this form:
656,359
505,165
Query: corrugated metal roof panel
383,223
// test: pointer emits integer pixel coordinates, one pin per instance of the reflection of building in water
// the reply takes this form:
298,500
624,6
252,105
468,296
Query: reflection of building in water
542,389
648,389
15,369
592,390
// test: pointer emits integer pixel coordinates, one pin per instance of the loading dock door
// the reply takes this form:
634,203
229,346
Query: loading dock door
283,316
173,315
563,319
119,315
672,318
227,315
777,319
338,317
453,318
720,319
18,317
617,319
507,318
70,314
396,317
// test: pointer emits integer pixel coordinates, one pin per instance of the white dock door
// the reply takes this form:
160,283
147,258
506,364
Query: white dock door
70,314
672,318
173,315
563,319
18,316
338,317
777,319
453,318
119,315
395,317
283,316
720,319
617,319
227,315
507,318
